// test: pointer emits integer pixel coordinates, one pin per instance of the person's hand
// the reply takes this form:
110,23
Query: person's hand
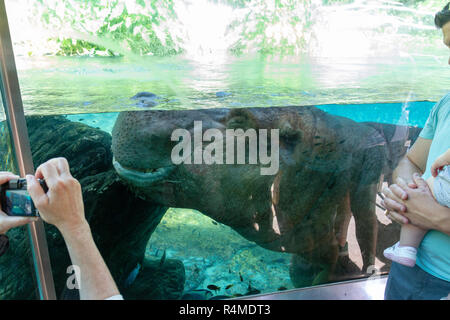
420,203
8,222
393,202
439,163
62,205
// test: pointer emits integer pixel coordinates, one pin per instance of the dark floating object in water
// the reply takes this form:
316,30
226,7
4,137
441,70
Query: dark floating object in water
214,222
228,286
240,276
213,287
144,94
222,94
146,99
282,288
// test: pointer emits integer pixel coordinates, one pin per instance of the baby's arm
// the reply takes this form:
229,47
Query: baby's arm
430,182
442,161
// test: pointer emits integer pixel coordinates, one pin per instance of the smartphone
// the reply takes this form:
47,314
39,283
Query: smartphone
15,199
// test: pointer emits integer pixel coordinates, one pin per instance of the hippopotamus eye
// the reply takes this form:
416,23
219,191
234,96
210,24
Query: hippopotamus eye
290,136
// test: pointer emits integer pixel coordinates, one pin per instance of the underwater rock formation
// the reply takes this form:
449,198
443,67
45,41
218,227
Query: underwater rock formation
323,160
121,223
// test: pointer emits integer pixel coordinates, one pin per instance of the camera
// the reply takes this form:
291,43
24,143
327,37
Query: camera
15,199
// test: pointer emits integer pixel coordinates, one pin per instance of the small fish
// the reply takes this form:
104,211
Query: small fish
229,270
132,276
214,222
237,295
240,276
228,286
282,288
213,287
163,258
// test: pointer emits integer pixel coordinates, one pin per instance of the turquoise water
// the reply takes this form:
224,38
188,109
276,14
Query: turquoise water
414,113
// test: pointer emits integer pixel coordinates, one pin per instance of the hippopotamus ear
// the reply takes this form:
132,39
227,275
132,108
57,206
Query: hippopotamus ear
241,119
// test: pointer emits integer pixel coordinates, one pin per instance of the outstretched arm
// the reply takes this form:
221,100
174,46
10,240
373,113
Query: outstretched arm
63,207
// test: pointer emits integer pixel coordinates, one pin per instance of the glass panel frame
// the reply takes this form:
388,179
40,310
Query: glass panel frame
16,121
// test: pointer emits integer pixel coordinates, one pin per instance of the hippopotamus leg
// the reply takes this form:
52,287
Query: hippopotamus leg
363,207
314,268
343,216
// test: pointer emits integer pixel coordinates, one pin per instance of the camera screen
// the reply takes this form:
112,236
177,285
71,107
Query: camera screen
19,203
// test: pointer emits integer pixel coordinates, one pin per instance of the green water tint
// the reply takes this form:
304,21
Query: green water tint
55,85
213,253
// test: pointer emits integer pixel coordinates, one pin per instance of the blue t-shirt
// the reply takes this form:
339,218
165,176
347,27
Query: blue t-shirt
433,254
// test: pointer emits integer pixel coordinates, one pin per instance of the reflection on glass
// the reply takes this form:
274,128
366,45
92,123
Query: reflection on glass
17,276
200,231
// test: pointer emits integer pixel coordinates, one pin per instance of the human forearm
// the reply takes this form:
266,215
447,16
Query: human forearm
96,282
405,169
440,218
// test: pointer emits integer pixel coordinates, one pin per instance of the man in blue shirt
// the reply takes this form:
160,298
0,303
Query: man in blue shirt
410,197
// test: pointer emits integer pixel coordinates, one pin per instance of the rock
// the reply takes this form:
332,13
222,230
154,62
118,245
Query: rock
158,282
121,223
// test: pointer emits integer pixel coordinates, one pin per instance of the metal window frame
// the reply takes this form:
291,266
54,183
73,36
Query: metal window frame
16,120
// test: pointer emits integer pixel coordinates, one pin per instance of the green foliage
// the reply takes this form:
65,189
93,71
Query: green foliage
279,27
140,26
273,27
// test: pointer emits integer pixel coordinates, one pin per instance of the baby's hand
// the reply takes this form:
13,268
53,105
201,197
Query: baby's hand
440,163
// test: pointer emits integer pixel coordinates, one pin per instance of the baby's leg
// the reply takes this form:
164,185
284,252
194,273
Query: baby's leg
411,236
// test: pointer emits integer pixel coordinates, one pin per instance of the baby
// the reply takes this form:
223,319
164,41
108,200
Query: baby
405,251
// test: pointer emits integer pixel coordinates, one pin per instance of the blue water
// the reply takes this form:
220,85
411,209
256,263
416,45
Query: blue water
413,113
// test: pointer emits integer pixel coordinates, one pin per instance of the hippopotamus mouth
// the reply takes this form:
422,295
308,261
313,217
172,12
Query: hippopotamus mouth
142,177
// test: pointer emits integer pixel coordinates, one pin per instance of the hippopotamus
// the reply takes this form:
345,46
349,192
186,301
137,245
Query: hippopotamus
324,161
